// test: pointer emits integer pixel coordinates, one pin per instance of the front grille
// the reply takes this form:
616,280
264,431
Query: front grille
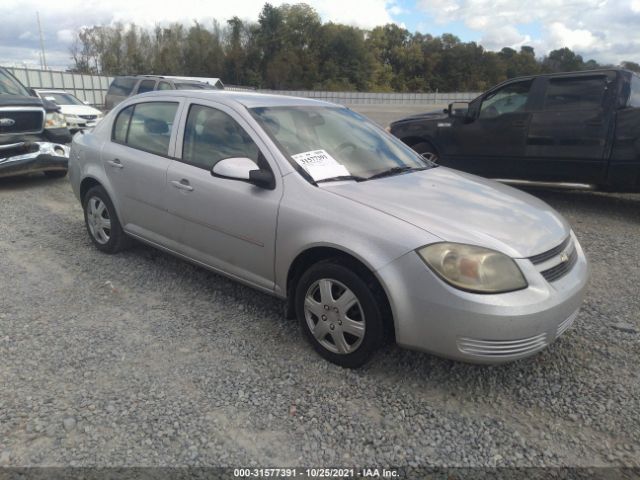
501,348
557,262
543,257
21,121
562,268
88,117
566,324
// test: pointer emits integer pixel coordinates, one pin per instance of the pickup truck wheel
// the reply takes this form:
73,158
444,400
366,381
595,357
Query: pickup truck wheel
102,221
55,173
427,150
339,314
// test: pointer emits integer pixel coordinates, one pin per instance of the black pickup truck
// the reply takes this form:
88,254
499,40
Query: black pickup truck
33,132
577,129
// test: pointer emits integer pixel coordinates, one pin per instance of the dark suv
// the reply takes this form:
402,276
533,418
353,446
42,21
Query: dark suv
580,129
123,87
33,132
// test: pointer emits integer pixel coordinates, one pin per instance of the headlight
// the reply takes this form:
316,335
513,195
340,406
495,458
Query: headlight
55,120
73,119
472,268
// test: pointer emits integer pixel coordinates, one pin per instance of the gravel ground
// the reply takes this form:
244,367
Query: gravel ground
143,359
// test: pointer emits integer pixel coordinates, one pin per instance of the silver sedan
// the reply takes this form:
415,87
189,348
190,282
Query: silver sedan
313,203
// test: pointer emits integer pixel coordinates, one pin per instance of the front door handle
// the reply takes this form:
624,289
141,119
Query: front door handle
182,184
116,163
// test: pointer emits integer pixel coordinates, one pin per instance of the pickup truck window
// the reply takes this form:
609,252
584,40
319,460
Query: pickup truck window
510,98
575,93
634,97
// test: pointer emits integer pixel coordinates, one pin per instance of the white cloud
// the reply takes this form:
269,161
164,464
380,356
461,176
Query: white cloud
575,39
604,29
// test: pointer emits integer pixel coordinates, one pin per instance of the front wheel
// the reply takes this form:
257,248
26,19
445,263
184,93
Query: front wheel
339,314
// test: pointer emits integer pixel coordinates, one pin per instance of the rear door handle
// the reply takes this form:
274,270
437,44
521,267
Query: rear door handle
115,163
182,184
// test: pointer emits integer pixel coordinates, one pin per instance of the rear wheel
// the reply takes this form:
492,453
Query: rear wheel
102,221
427,150
339,314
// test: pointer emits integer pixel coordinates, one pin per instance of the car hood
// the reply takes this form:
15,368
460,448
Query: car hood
430,115
79,110
460,207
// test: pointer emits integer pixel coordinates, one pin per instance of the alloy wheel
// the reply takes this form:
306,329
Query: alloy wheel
98,220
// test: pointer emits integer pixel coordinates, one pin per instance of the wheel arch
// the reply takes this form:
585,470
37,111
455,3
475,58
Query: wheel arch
316,254
86,184
414,140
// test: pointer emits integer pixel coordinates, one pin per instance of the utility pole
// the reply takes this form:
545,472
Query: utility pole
44,59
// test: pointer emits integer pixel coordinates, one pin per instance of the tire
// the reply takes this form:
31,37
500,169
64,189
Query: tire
55,173
98,213
426,150
316,308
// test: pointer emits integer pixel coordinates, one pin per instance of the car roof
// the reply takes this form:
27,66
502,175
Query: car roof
246,99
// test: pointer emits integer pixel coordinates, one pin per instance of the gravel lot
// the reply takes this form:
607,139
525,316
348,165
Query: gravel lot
143,359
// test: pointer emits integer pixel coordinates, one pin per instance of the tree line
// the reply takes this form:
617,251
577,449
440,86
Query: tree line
290,48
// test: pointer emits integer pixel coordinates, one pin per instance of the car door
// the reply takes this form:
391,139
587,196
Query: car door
227,224
569,132
136,162
491,140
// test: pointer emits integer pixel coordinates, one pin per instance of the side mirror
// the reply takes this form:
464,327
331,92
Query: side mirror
458,109
86,102
245,169
33,92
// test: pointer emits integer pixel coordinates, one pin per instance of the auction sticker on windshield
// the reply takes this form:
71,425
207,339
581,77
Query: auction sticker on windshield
320,165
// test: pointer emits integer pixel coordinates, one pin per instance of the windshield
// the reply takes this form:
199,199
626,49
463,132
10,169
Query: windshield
335,142
61,98
9,85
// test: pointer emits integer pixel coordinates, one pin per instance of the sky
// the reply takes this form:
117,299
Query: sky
605,30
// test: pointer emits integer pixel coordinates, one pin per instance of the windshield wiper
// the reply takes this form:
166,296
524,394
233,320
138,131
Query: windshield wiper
394,171
342,177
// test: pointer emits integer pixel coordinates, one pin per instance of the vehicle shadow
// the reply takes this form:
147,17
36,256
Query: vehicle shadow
33,180
623,205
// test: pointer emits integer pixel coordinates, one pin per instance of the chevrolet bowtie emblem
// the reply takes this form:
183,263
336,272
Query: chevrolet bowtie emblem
564,257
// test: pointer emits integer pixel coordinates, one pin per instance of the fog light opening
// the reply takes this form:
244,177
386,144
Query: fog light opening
58,150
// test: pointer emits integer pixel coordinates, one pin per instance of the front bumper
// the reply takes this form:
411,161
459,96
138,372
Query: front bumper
29,157
432,316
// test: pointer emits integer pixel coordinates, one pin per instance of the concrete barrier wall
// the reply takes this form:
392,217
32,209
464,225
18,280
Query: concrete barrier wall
93,88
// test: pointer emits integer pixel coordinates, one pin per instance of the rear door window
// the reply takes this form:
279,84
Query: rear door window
164,86
575,93
146,126
122,86
146,86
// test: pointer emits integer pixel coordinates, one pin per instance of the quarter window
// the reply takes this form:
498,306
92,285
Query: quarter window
121,125
509,99
164,86
211,135
146,126
146,86
575,93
